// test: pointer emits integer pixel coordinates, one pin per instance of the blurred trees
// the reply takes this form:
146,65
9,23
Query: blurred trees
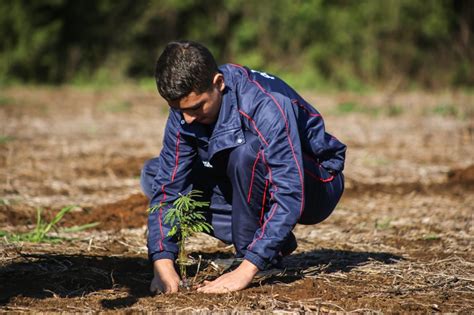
342,42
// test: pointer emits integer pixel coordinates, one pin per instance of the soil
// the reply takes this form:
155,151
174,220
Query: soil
399,241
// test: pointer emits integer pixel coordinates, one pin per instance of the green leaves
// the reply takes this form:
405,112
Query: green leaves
345,44
42,228
155,208
202,227
173,231
184,218
185,221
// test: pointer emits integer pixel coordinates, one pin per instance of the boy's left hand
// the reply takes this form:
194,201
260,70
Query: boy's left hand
235,280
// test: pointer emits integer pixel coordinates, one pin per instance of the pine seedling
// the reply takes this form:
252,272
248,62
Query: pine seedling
185,221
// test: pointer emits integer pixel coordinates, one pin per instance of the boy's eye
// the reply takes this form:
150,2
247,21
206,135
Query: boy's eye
195,108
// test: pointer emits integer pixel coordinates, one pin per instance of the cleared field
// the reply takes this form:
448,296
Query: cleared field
400,240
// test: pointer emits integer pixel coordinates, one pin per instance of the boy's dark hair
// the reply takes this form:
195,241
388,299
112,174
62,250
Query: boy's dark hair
182,68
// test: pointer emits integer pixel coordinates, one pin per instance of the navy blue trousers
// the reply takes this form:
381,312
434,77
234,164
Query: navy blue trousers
239,197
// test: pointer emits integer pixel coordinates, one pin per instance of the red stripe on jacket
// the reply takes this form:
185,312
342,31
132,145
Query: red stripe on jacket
296,102
254,125
253,175
287,132
262,211
324,180
272,211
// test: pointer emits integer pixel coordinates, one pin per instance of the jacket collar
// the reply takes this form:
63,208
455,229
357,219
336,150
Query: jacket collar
227,131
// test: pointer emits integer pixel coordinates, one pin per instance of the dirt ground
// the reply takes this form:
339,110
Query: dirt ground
400,240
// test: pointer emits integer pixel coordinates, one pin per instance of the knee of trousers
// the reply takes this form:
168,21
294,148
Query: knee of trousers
321,203
309,217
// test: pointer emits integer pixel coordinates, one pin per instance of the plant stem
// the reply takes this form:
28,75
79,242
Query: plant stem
182,261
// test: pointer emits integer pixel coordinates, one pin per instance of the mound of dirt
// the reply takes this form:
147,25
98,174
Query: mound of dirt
126,213
462,175
16,214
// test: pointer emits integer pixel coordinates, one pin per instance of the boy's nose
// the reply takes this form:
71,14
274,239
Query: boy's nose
188,118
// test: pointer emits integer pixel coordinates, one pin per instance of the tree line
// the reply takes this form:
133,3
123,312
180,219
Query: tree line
345,43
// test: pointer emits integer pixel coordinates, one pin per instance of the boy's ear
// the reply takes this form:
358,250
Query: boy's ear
219,82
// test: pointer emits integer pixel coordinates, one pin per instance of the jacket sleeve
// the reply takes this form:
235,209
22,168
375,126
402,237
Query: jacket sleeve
323,146
283,160
175,164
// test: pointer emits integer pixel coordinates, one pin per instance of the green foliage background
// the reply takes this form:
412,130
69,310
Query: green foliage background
314,43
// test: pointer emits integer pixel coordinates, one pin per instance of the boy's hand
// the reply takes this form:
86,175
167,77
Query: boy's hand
235,280
166,280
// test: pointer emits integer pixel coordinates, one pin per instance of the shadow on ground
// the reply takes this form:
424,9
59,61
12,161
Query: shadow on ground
298,266
66,276
331,260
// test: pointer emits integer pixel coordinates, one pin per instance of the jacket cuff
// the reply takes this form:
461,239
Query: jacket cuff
162,255
256,260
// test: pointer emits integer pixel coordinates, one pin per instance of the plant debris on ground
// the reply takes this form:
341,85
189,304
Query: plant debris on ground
400,240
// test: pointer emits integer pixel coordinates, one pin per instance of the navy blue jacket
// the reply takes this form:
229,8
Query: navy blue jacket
286,125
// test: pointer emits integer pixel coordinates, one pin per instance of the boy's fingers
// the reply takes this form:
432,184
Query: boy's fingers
172,290
207,286
155,288
208,283
212,286
200,285
215,289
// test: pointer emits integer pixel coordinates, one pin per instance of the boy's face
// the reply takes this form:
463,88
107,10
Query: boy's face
202,108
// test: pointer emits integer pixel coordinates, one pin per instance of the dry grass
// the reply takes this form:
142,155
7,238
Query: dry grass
400,241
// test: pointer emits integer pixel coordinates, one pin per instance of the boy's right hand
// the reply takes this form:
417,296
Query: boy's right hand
166,280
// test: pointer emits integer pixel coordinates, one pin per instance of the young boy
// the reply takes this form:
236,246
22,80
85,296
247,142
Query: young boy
257,150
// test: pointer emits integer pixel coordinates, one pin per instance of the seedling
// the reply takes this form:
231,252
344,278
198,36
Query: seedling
40,233
185,221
